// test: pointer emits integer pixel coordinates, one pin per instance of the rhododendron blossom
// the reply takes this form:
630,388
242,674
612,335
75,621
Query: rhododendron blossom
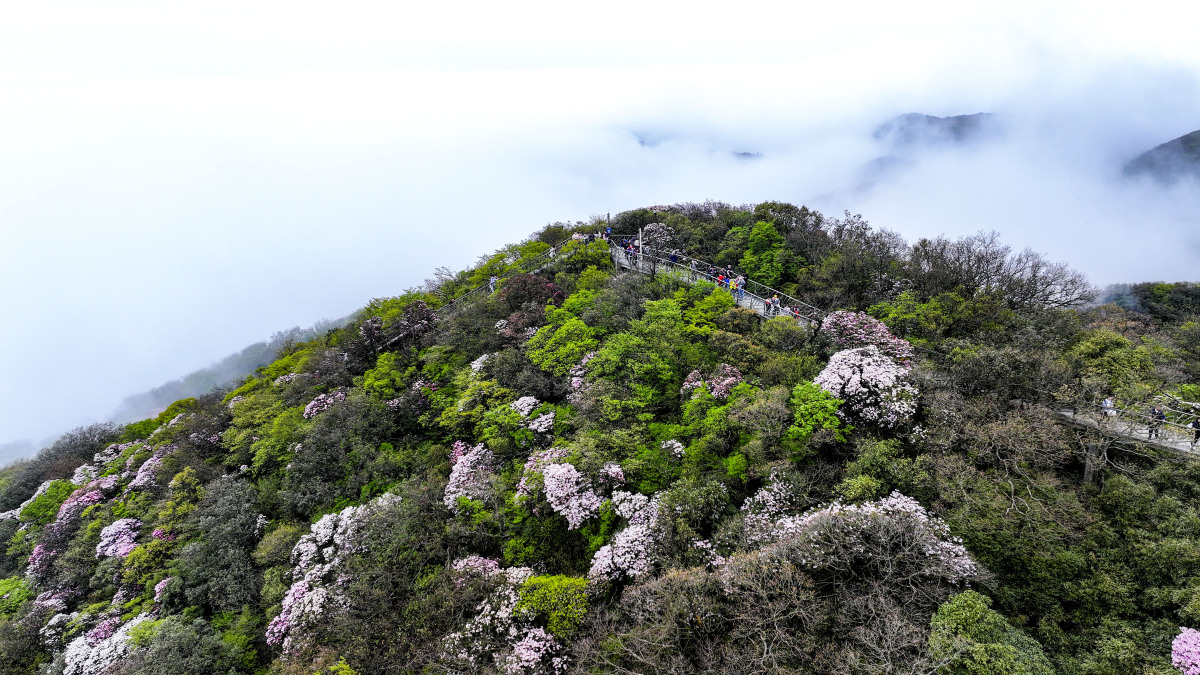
532,475
843,533
324,402
148,469
88,655
524,405
160,587
720,384
537,652
542,424
674,448
119,538
469,476
612,474
478,364
1185,651
630,555
495,628
569,495
849,330
474,566
317,558
874,387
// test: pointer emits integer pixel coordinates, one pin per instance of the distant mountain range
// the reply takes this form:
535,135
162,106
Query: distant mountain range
915,129
1170,161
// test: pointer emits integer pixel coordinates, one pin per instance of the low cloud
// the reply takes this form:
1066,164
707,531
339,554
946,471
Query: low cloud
154,223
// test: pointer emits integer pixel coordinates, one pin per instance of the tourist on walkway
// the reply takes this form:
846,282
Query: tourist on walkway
692,271
1195,427
741,287
1108,407
1157,418
492,284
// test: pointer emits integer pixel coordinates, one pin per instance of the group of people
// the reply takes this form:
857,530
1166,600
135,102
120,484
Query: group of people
1158,419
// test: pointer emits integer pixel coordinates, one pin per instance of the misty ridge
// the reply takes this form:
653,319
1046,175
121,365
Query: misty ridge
224,373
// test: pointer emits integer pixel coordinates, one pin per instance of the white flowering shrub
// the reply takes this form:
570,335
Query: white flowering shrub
317,559
630,555
491,633
879,536
569,494
875,388
537,653
119,539
524,405
99,649
469,476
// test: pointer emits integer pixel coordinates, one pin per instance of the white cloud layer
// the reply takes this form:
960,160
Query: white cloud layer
178,183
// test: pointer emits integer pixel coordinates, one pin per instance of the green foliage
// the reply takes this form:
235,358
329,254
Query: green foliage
978,641
560,602
880,469
1112,358
815,410
386,380
557,348
13,592
44,509
765,260
136,430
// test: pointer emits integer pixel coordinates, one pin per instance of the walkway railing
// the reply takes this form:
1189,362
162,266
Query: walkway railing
528,266
752,295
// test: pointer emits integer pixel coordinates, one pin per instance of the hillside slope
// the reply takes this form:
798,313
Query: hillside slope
586,471
1169,161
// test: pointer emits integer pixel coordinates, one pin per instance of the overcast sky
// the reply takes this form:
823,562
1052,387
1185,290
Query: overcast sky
177,183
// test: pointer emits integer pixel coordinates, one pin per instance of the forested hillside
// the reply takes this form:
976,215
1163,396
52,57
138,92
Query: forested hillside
602,472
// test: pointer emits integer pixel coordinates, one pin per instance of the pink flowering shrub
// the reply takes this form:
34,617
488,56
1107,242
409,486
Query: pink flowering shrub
531,476
324,402
119,538
103,630
691,383
469,476
39,561
474,566
578,381
535,654
1185,651
149,468
849,330
673,448
874,387
569,494
630,554
612,475
91,654
719,384
161,587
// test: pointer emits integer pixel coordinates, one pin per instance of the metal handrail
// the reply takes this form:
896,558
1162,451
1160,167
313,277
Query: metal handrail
753,295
